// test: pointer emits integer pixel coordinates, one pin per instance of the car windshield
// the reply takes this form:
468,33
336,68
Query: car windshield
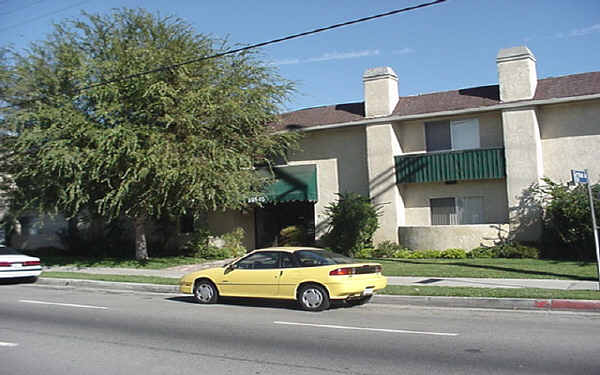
8,251
310,258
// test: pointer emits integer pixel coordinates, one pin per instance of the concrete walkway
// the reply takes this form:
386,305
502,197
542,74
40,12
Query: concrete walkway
179,271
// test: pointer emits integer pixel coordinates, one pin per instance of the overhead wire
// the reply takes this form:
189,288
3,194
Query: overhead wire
241,49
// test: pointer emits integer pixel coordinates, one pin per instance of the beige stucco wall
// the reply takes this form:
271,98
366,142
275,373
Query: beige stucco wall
340,156
416,199
411,134
442,237
220,223
570,139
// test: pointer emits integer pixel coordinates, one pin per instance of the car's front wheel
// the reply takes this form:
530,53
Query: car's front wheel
205,292
313,297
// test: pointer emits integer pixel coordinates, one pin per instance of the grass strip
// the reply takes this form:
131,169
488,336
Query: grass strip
152,263
113,278
491,268
441,291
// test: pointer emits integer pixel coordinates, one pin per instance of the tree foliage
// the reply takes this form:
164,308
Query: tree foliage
353,220
177,141
567,218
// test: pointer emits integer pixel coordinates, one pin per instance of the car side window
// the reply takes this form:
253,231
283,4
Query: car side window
287,261
310,259
263,260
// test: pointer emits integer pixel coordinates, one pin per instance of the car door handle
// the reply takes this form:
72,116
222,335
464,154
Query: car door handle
225,281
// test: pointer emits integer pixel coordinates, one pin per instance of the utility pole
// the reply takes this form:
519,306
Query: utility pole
594,227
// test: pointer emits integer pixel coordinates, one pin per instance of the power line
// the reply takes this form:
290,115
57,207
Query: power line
253,46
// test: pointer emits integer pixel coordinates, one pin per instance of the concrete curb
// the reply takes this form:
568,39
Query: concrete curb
426,301
492,303
139,287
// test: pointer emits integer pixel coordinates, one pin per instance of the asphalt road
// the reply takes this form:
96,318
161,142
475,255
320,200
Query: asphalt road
65,331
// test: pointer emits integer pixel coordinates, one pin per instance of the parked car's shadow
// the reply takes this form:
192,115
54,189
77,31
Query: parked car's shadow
18,280
255,302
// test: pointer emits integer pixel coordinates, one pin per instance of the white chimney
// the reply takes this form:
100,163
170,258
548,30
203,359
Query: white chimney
381,91
517,74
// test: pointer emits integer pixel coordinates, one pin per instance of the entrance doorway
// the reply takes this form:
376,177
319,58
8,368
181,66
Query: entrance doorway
272,218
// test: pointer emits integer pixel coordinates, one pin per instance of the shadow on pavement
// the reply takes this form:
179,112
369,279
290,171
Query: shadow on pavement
256,302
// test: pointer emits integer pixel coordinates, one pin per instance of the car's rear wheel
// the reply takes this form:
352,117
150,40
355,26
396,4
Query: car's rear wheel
313,297
359,301
205,292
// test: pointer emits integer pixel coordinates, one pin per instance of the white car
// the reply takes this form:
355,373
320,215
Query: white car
14,264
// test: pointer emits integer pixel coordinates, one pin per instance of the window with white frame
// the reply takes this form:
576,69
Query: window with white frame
456,210
452,135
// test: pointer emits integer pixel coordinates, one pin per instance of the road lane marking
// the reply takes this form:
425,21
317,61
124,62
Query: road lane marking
367,329
9,344
63,304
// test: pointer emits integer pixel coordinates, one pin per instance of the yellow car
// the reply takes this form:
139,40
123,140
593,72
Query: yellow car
311,276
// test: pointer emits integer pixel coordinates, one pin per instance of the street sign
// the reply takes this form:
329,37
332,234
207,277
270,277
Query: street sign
579,177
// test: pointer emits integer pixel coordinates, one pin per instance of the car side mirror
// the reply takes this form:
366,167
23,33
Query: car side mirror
230,267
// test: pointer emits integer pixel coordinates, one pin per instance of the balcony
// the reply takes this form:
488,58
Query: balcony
460,165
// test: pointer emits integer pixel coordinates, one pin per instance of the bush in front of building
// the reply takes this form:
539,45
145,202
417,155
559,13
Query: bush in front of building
387,249
453,254
294,235
203,244
505,250
353,220
567,219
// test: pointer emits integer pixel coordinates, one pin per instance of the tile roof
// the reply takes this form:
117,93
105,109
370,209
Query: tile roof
476,97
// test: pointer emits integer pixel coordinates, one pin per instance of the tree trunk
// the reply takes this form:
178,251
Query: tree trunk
141,246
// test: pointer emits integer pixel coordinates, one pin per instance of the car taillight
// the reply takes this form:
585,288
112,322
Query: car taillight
31,263
378,269
342,271
5,264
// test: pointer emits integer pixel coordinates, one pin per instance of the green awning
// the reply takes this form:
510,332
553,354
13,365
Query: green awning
293,183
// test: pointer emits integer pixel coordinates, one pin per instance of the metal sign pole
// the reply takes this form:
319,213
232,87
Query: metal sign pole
594,227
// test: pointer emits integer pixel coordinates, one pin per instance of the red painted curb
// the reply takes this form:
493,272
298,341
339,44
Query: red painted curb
567,304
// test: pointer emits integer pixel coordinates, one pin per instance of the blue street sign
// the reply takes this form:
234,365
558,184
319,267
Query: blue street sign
579,177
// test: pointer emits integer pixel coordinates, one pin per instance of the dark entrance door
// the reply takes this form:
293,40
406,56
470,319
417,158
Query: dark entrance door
272,218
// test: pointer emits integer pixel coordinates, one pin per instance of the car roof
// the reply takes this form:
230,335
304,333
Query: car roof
287,249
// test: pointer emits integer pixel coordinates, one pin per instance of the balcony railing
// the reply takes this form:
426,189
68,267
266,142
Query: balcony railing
451,166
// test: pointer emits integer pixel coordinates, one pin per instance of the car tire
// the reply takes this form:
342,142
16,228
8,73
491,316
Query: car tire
359,301
313,297
205,292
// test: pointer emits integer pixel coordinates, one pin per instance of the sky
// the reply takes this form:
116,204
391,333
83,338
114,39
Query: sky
449,46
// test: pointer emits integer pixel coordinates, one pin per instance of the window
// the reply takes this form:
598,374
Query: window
452,135
260,261
311,258
456,211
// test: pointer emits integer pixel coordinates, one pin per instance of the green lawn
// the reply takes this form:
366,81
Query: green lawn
490,293
492,268
113,278
152,263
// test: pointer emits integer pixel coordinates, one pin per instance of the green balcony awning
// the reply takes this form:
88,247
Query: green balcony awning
293,183
463,165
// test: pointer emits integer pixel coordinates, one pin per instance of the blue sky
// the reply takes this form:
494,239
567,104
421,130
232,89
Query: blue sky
444,47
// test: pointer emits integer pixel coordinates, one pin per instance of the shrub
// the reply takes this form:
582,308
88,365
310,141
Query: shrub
403,254
454,254
292,236
386,249
233,243
364,253
505,250
567,218
201,244
509,250
352,219
481,252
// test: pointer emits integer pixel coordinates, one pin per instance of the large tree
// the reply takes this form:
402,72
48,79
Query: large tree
183,139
